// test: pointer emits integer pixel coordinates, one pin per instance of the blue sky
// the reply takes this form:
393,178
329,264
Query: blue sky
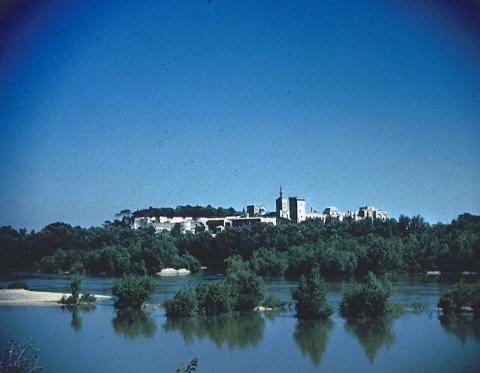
106,106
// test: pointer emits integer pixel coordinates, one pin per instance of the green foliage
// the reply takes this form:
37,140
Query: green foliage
214,298
67,300
73,299
87,298
75,286
301,259
184,211
189,367
348,247
241,290
245,287
235,264
311,297
183,304
20,357
367,300
18,285
271,301
187,261
248,291
460,295
132,291
269,262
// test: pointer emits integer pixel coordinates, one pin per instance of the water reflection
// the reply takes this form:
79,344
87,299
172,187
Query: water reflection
77,322
373,334
237,330
311,337
133,323
461,326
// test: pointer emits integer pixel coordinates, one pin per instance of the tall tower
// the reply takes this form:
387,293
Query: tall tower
297,209
282,206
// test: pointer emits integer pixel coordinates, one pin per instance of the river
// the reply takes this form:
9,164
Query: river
103,340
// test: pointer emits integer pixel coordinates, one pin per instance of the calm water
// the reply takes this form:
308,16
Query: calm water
104,340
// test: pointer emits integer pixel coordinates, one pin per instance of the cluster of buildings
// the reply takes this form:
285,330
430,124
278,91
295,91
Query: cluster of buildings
200,224
292,208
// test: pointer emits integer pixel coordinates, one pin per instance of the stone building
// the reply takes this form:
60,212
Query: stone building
281,205
256,210
297,209
372,213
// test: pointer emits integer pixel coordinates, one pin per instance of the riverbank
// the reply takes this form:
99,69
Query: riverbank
27,297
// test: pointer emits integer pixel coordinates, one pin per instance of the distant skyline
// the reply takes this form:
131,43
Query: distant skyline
106,106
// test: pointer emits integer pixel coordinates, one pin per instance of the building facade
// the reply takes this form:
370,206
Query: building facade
256,210
292,209
281,205
297,209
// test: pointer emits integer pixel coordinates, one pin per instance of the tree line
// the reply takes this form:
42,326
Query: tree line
408,244
187,211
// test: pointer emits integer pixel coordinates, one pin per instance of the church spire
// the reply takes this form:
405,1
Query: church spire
281,192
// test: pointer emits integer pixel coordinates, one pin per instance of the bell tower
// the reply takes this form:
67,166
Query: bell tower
281,205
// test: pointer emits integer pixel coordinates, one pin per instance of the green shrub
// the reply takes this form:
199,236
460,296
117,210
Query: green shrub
245,287
83,299
183,304
132,291
271,301
311,297
269,262
368,299
87,298
18,285
241,290
73,299
187,261
67,300
460,295
235,263
214,298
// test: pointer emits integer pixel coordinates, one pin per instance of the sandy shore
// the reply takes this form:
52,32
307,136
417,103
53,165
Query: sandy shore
27,297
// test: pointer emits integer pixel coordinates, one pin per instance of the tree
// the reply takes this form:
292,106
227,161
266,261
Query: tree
368,299
460,295
75,286
214,298
132,291
311,297
183,304
269,262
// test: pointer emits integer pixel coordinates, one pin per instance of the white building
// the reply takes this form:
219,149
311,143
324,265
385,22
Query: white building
196,225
